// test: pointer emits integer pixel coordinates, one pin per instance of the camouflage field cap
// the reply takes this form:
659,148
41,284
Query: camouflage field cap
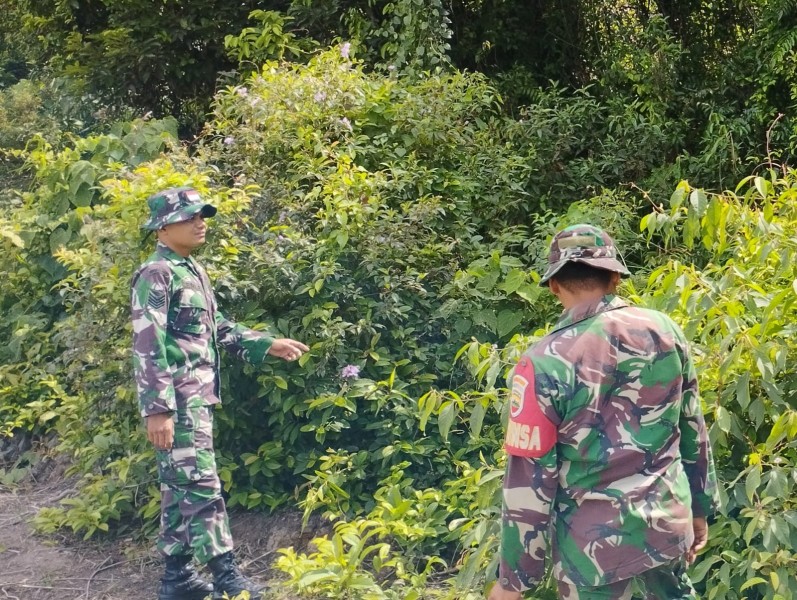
584,244
175,205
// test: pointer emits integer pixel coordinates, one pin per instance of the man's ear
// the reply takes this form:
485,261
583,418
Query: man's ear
614,281
554,286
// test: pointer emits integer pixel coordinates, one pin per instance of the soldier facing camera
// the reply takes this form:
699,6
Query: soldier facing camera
177,328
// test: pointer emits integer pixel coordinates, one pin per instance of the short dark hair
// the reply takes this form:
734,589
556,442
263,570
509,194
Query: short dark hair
581,276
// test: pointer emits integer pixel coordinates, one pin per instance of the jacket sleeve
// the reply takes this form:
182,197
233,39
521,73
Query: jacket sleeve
695,447
532,477
529,490
150,309
247,344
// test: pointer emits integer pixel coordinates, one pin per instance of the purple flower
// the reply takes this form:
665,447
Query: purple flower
229,140
344,50
346,123
350,372
242,92
282,216
320,97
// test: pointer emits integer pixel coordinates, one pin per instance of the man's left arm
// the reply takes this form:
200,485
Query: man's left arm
253,346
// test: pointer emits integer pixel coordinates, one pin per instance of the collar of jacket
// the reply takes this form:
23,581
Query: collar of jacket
166,252
589,309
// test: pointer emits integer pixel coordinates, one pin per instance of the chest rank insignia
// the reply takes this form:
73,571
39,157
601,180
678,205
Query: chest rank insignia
156,299
529,433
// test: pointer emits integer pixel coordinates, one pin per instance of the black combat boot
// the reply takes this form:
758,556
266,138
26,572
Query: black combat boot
228,579
181,582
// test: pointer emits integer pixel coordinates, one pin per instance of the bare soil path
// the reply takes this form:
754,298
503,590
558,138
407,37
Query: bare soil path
64,567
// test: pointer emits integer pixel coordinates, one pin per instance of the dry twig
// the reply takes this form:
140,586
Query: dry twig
100,569
37,587
91,577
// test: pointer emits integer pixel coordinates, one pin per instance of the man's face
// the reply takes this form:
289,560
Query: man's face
185,236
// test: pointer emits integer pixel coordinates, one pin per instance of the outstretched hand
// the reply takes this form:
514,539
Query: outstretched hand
287,349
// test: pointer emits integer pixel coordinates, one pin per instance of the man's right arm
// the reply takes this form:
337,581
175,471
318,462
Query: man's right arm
150,309
532,477
530,486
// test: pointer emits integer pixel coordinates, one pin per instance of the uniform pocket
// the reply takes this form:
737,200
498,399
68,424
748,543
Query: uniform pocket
191,458
178,466
190,315
190,320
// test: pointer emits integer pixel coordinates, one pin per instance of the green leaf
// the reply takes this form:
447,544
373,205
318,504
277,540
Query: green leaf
12,237
446,418
310,577
507,321
677,197
761,185
530,293
743,390
487,318
780,529
700,570
48,416
477,418
698,201
778,484
751,582
723,419
514,279
82,176
752,482
58,238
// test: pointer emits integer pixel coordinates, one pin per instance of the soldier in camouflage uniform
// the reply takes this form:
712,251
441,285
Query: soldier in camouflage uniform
176,330
607,448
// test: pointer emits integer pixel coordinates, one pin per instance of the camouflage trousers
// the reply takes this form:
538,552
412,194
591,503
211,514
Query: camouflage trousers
193,516
666,582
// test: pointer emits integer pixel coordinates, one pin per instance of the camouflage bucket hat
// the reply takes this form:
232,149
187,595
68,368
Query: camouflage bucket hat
584,244
174,206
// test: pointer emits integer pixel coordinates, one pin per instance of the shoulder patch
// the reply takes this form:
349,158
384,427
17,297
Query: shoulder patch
529,432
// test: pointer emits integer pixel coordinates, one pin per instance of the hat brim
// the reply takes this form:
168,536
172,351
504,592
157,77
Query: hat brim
183,214
607,264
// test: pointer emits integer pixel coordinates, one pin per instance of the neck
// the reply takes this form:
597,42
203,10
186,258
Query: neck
181,250
570,299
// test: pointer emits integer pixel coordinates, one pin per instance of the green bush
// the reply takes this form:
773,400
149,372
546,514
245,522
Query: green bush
397,225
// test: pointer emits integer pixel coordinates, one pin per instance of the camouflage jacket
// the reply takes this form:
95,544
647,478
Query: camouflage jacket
608,450
176,330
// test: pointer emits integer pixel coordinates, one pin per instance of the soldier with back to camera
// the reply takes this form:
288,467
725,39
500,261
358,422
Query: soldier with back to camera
607,448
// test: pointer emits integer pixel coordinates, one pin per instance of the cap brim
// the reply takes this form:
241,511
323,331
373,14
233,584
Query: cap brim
184,214
607,264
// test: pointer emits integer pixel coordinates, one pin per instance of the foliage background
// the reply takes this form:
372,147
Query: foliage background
387,176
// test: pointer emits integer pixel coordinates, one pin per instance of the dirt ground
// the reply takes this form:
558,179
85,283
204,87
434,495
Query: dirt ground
64,567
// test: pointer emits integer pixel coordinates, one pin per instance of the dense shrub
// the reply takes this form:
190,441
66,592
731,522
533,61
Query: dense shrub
397,225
